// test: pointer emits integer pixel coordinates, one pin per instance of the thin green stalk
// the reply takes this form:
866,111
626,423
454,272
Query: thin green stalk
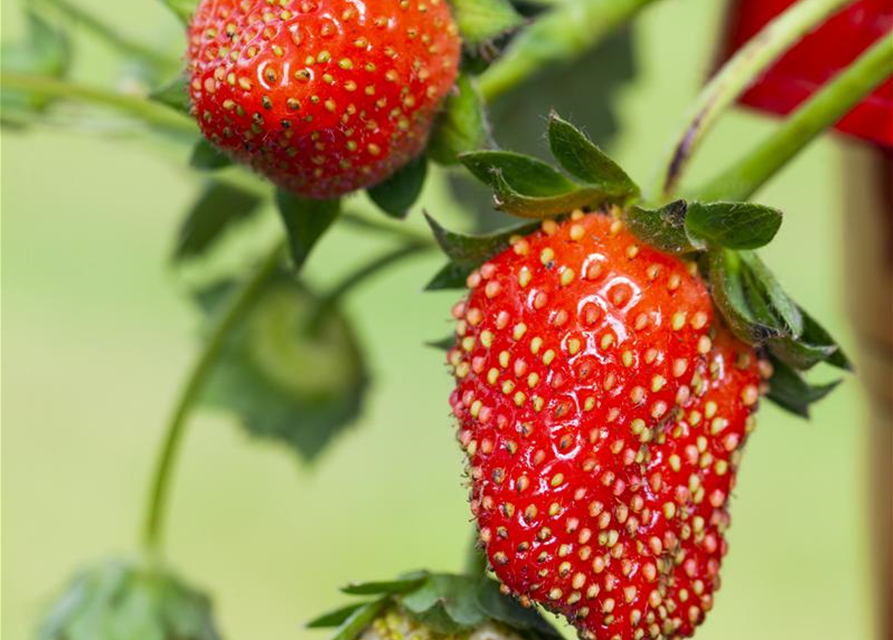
359,276
821,111
236,308
558,36
733,78
112,36
138,107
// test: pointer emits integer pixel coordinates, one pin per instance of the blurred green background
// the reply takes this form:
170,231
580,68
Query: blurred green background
97,336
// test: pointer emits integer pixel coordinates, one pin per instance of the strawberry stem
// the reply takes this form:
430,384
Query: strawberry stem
360,275
147,111
240,302
822,110
559,36
112,35
750,62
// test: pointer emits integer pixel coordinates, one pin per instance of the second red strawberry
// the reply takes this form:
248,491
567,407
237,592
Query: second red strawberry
324,97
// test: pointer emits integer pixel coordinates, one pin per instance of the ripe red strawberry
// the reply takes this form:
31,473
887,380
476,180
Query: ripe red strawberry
585,367
322,96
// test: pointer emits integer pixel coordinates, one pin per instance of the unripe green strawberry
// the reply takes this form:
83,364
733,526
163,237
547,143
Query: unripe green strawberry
581,357
322,96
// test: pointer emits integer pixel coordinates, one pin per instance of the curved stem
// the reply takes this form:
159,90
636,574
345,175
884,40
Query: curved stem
138,107
733,78
112,36
240,302
822,110
360,275
558,36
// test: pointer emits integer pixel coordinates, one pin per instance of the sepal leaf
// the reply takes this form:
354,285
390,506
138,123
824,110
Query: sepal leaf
174,94
207,157
791,391
305,222
410,581
468,252
814,345
217,210
663,228
442,604
292,369
483,20
400,191
462,124
525,174
126,601
577,154
733,225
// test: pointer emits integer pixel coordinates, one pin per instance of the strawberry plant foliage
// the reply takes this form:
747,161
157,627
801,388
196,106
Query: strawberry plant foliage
123,600
720,234
218,209
46,51
437,603
289,376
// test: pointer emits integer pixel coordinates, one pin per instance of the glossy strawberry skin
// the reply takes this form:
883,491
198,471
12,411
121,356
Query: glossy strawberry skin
564,427
322,96
817,58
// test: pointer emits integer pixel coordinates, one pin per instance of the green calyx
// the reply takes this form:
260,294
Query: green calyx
721,236
435,606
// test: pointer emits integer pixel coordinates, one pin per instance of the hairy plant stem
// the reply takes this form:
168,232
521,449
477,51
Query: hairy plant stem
732,79
821,111
135,106
359,276
559,36
112,36
237,306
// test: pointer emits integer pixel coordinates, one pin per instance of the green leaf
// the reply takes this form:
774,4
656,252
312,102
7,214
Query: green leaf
444,344
662,228
126,601
333,618
468,252
780,304
406,583
731,298
509,611
285,382
207,157
45,52
305,222
461,126
361,618
734,225
814,345
582,159
790,390
174,94
483,20
216,211
398,193
507,199
523,174
445,603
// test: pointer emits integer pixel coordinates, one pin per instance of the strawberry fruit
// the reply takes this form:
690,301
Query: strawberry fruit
321,96
602,409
